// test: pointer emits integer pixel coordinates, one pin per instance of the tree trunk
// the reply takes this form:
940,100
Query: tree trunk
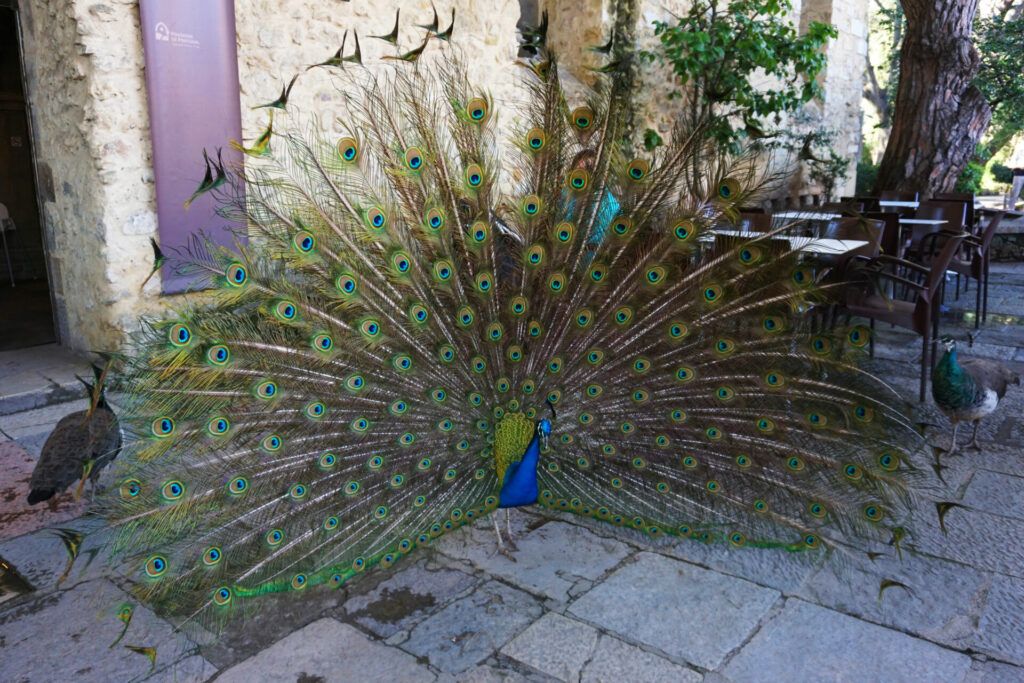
876,95
939,116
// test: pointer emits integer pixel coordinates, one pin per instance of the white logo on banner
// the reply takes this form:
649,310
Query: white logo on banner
164,34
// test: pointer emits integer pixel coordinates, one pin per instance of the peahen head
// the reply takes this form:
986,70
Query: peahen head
948,359
948,368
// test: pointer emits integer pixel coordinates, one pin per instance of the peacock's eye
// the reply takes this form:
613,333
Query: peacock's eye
348,148
180,334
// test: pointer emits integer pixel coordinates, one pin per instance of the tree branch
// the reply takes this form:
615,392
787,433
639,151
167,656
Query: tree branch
876,94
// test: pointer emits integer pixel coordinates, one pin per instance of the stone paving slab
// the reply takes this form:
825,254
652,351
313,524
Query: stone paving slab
328,651
615,660
555,644
469,630
689,613
39,376
1001,629
17,517
771,567
984,541
66,636
279,616
406,597
960,469
193,668
1006,459
493,674
549,560
569,650
41,559
994,672
997,493
943,603
809,643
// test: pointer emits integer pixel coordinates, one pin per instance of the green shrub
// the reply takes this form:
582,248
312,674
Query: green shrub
867,173
1002,174
970,178
724,51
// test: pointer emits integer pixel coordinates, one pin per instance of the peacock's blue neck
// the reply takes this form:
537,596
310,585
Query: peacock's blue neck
520,485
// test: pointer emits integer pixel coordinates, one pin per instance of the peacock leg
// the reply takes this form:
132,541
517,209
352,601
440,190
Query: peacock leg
508,527
974,445
502,548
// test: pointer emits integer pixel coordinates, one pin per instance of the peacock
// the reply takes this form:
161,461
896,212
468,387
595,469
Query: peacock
80,445
969,390
454,308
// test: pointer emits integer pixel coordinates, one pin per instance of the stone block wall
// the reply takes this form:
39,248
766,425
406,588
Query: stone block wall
843,78
87,94
84,70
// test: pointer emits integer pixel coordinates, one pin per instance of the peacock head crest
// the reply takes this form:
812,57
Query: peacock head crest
949,344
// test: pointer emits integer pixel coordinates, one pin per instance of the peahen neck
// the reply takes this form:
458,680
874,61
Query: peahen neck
948,366
951,384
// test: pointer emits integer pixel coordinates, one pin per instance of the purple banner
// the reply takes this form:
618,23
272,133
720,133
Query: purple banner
192,83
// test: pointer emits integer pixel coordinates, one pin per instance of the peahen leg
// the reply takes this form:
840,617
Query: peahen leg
974,445
952,445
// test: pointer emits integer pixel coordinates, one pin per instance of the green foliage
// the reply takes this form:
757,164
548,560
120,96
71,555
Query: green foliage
829,171
718,47
1000,44
892,23
970,178
1002,174
867,172
814,148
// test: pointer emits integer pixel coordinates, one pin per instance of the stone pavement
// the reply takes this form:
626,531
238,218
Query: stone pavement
582,601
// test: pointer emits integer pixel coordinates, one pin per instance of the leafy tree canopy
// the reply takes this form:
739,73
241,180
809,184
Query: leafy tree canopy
743,62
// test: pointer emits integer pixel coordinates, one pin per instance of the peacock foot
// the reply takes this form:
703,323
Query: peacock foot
506,548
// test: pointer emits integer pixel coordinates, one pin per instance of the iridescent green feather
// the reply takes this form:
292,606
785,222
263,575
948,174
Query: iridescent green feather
411,301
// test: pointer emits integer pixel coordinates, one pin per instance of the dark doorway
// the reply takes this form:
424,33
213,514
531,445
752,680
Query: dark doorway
26,315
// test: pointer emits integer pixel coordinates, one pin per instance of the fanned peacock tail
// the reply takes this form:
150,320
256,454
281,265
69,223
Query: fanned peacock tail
419,292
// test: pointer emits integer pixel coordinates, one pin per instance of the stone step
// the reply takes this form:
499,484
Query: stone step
40,376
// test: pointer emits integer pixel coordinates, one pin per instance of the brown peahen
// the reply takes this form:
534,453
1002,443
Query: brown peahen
79,447
452,309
